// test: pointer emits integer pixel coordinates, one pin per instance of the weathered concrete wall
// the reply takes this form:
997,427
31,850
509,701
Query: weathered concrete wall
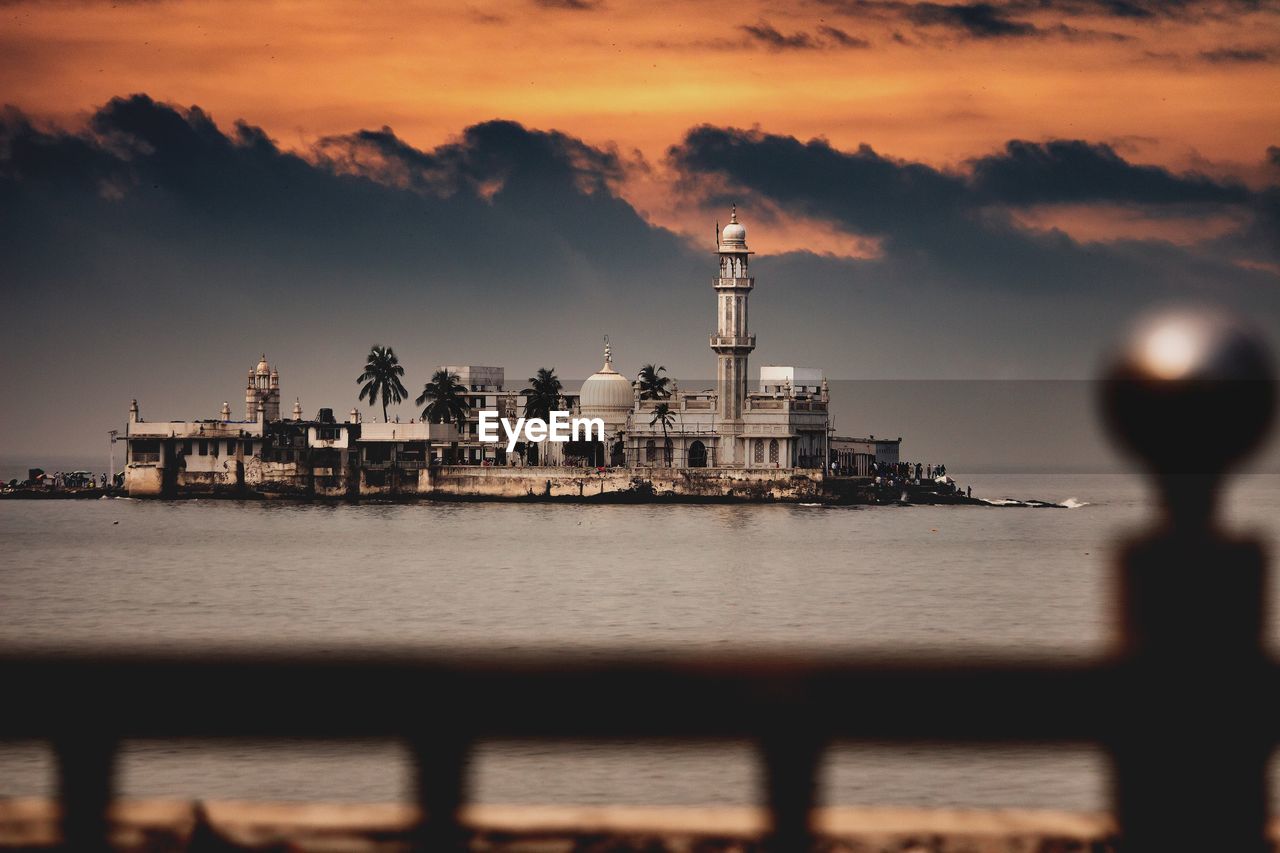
280,479
143,481
712,483
336,482
206,481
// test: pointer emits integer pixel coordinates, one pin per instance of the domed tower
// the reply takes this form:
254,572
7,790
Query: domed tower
264,388
607,395
732,341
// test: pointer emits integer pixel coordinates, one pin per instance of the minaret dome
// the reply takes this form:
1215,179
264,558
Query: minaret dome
734,235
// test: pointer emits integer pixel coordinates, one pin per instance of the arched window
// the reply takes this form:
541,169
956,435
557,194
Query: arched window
773,450
697,455
758,453
650,451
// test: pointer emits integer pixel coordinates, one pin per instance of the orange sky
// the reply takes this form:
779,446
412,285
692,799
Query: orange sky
639,74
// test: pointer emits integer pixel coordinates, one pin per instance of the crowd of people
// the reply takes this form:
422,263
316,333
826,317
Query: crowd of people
916,474
59,480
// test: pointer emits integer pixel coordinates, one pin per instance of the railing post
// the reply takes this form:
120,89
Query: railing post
1191,397
791,763
86,767
440,765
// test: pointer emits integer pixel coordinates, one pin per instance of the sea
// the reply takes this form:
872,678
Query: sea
483,576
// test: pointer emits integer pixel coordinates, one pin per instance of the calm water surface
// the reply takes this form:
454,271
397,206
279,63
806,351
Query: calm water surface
952,579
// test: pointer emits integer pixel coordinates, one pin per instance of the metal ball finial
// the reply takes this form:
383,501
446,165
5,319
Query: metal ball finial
1191,393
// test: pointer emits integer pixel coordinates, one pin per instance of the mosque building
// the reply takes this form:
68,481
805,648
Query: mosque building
264,388
782,424
775,436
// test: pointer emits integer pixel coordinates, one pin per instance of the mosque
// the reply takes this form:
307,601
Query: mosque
759,439
784,423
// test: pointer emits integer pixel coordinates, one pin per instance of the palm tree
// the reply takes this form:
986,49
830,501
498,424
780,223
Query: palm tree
381,378
445,402
662,414
543,394
653,386
445,399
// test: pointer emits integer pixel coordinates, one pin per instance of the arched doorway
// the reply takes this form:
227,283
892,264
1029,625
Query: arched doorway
697,455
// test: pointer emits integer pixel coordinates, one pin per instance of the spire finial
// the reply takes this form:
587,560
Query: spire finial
608,351
733,215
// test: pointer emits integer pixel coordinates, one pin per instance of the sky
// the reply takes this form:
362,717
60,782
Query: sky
935,192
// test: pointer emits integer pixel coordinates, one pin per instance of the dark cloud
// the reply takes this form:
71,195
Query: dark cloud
973,20
960,226
369,192
842,38
1004,19
767,35
1240,55
879,195
493,156
873,194
1144,9
576,5
979,20
1074,171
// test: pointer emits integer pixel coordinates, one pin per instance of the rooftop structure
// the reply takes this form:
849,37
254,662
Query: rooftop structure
263,388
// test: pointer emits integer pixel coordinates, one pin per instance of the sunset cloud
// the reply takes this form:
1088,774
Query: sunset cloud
459,179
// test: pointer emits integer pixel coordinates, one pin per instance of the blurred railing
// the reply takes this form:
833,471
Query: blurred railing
1187,706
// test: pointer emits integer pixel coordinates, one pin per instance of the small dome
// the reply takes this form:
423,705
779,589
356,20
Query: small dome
606,394
734,234
263,368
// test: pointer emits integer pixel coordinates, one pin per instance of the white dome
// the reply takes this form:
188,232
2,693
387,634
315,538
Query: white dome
263,367
606,394
734,235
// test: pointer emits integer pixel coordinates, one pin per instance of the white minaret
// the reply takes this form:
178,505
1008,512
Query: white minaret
732,341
